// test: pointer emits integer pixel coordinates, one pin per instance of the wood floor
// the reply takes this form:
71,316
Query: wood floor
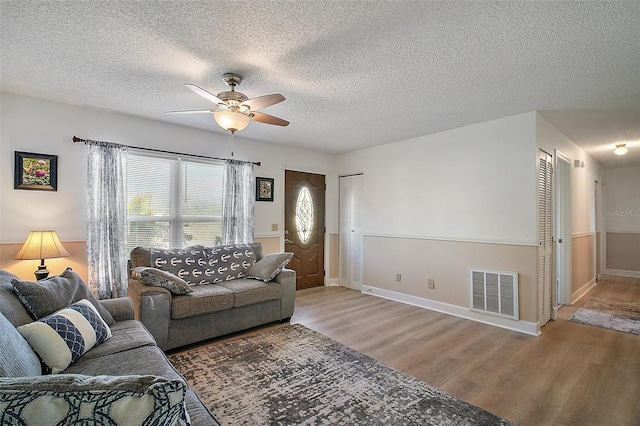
572,374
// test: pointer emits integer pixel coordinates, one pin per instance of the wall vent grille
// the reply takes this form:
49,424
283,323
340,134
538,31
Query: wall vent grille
494,293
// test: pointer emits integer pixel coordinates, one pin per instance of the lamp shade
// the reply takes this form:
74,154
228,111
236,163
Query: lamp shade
42,245
231,121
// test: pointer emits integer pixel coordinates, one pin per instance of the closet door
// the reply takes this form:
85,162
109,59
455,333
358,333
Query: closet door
545,242
351,231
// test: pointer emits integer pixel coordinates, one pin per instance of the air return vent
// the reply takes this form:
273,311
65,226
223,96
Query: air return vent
494,293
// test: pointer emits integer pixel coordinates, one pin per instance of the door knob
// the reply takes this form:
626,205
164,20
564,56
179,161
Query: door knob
286,240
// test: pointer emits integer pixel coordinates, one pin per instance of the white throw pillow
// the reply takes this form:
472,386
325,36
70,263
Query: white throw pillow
64,336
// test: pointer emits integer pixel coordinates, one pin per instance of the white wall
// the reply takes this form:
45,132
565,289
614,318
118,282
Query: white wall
622,200
474,183
437,205
582,178
36,125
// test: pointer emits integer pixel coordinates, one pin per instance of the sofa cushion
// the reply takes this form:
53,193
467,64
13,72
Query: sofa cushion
227,263
44,297
63,337
159,278
80,399
142,360
10,305
17,357
269,266
204,299
257,249
199,265
187,263
249,292
125,335
145,256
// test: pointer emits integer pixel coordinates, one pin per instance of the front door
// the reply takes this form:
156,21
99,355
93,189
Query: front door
304,226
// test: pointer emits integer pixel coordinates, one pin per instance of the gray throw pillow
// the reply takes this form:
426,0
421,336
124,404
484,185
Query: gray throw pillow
269,266
44,297
187,263
225,263
17,359
80,399
159,278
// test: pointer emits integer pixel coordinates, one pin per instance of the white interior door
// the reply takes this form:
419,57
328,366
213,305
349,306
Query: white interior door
351,231
545,246
562,228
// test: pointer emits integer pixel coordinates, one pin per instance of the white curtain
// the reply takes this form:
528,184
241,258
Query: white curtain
238,202
106,229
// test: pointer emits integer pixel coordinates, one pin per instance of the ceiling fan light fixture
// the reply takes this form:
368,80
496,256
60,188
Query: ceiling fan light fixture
231,121
621,149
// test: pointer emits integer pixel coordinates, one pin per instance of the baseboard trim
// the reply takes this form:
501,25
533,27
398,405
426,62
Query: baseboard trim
525,327
332,282
623,273
577,295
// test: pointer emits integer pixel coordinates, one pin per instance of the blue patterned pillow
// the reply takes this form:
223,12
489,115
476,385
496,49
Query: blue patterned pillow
63,337
71,399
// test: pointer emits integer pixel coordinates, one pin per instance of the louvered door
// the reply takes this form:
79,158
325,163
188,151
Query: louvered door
545,171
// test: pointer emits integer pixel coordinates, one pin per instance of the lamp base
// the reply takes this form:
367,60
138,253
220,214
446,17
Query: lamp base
41,273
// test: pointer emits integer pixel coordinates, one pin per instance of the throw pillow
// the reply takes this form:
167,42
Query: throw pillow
257,249
188,263
63,337
226,263
17,358
269,266
159,278
44,297
78,399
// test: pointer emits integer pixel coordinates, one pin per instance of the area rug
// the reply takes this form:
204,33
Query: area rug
295,376
611,314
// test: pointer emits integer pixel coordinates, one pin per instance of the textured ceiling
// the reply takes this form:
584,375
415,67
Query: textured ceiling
355,73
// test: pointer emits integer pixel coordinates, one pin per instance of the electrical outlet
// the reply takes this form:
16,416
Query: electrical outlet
398,277
432,283
274,226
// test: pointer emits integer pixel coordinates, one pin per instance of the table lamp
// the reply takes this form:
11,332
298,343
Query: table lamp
42,245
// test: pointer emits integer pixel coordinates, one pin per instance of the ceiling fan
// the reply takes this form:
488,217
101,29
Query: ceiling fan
234,109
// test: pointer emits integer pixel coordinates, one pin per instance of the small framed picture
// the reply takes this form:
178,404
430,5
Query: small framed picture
37,172
264,189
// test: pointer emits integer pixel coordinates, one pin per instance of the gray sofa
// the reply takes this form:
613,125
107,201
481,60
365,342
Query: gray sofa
217,304
130,351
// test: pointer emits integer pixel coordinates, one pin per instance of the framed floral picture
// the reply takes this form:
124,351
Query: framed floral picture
35,171
264,189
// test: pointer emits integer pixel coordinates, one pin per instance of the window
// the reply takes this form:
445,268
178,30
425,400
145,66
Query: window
172,201
304,215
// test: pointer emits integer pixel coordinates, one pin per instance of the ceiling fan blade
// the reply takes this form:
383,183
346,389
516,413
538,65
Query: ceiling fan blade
207,95
261,102
268,119
192,111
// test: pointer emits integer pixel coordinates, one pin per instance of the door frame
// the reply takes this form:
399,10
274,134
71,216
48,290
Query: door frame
600,245
281,189
351,284
561,185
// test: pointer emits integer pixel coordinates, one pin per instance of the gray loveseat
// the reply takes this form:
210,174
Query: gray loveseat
221,298
130,351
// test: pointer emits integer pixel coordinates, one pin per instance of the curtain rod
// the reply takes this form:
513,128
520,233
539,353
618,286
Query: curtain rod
257,163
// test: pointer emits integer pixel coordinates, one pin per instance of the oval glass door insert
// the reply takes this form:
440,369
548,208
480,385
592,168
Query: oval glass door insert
304,215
